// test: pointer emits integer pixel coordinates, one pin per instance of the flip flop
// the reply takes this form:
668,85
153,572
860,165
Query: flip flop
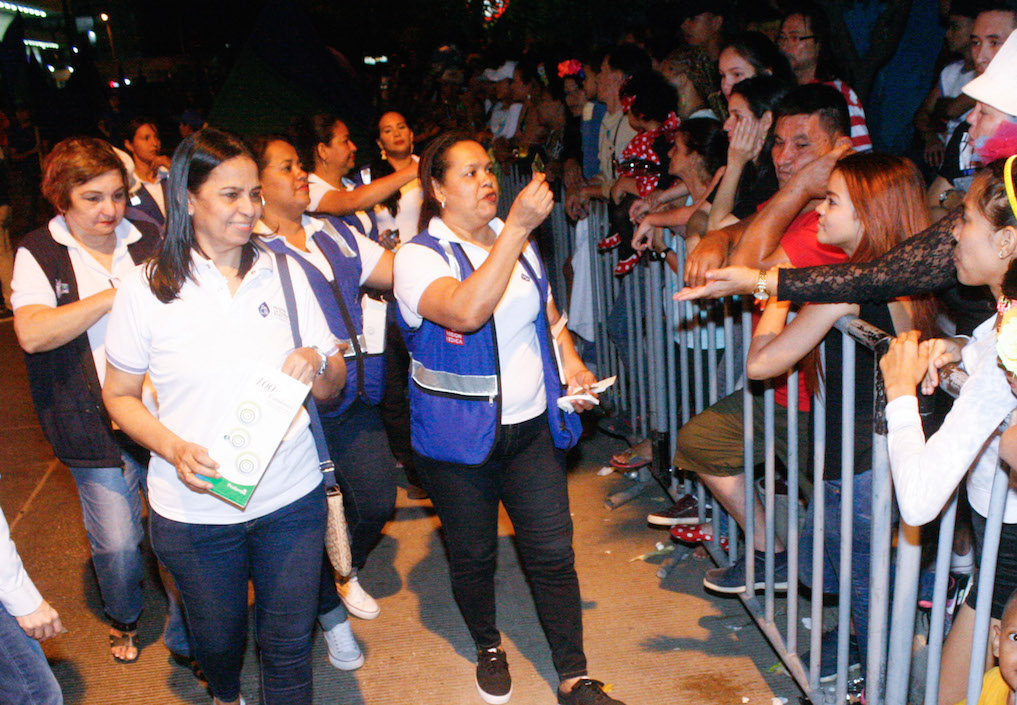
634,461
126,639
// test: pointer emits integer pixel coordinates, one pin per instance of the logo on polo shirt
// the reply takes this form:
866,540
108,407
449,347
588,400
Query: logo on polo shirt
264,310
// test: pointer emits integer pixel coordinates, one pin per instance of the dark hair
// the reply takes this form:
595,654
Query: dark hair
629,59
135,124
259,146
193,161
817,99
763,93
981,6
74,161
312,131
381,167
964,8
827,66
653,98
433,165
705,137
762,54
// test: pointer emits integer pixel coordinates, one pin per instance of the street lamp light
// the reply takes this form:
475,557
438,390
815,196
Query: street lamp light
109,33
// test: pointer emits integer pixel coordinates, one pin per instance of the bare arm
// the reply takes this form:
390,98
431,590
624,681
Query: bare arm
342,202
381,276
40,328
777,345
762,237
466,305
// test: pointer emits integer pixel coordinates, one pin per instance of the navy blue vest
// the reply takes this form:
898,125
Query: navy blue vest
63,381
455,379
365,374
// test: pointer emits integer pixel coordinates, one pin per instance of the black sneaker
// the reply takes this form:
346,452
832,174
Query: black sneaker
493,680
682,513
587,692
731,580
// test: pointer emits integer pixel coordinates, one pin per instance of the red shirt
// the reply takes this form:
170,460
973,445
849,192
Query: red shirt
804,250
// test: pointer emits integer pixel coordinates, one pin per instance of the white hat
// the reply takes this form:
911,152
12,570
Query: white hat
997,87
503,73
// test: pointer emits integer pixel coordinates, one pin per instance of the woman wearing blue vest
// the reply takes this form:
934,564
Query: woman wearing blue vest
485,379
337,263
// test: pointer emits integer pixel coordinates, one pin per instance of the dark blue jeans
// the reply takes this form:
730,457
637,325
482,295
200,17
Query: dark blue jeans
25,676
527,474
861,547
212,564
365,470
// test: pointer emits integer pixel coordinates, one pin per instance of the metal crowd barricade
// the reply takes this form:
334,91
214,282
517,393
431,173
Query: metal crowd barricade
663,380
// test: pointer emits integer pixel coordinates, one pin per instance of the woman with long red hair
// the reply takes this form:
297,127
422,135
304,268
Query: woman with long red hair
873,201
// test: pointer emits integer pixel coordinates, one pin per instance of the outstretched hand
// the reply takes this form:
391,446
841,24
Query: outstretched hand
729,281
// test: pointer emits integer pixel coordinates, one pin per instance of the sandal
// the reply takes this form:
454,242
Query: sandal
634,457
609,243
126,639
696,534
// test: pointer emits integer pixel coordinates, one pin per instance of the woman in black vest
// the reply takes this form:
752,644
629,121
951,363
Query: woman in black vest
65,277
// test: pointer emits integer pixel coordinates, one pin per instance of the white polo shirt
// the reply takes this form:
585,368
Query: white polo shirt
370,251
522,373
317,187
197,349
30,286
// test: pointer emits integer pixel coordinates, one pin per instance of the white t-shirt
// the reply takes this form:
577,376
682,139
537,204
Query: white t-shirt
317,187
30,286
522,373
370,251
504,120
406,220
197,349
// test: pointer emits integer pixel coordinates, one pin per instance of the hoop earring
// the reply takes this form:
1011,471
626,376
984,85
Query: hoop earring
441,204
1002,254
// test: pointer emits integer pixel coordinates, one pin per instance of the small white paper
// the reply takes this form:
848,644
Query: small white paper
374,324
262,409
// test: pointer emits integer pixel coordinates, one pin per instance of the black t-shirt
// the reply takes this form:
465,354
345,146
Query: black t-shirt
951,169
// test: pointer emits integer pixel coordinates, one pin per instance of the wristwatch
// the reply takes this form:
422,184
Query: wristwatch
324,361
760,293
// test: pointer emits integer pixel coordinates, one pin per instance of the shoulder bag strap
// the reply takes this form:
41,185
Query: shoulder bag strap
325,463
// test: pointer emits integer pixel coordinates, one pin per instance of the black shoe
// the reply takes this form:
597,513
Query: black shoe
587,692
493,680
731,580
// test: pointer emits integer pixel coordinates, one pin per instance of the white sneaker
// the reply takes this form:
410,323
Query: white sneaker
215,701
343,651
356,599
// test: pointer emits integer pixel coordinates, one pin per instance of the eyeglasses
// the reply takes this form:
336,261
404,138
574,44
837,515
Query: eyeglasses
794,38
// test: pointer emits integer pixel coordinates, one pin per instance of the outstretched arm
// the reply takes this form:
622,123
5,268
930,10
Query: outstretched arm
921,264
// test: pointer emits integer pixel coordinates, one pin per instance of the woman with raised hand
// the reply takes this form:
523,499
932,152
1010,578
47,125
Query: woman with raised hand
337,263
65,277
926,473
327,147
206,314
484,333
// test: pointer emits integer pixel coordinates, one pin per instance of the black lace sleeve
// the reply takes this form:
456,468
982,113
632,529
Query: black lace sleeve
921,264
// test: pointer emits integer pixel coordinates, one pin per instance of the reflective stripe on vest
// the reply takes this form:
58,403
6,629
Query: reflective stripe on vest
451,383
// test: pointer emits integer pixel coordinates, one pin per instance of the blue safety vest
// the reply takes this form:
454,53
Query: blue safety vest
455,378
365,374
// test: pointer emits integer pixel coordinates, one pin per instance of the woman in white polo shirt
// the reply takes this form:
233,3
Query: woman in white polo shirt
326,144
206,313
486,379
65,277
